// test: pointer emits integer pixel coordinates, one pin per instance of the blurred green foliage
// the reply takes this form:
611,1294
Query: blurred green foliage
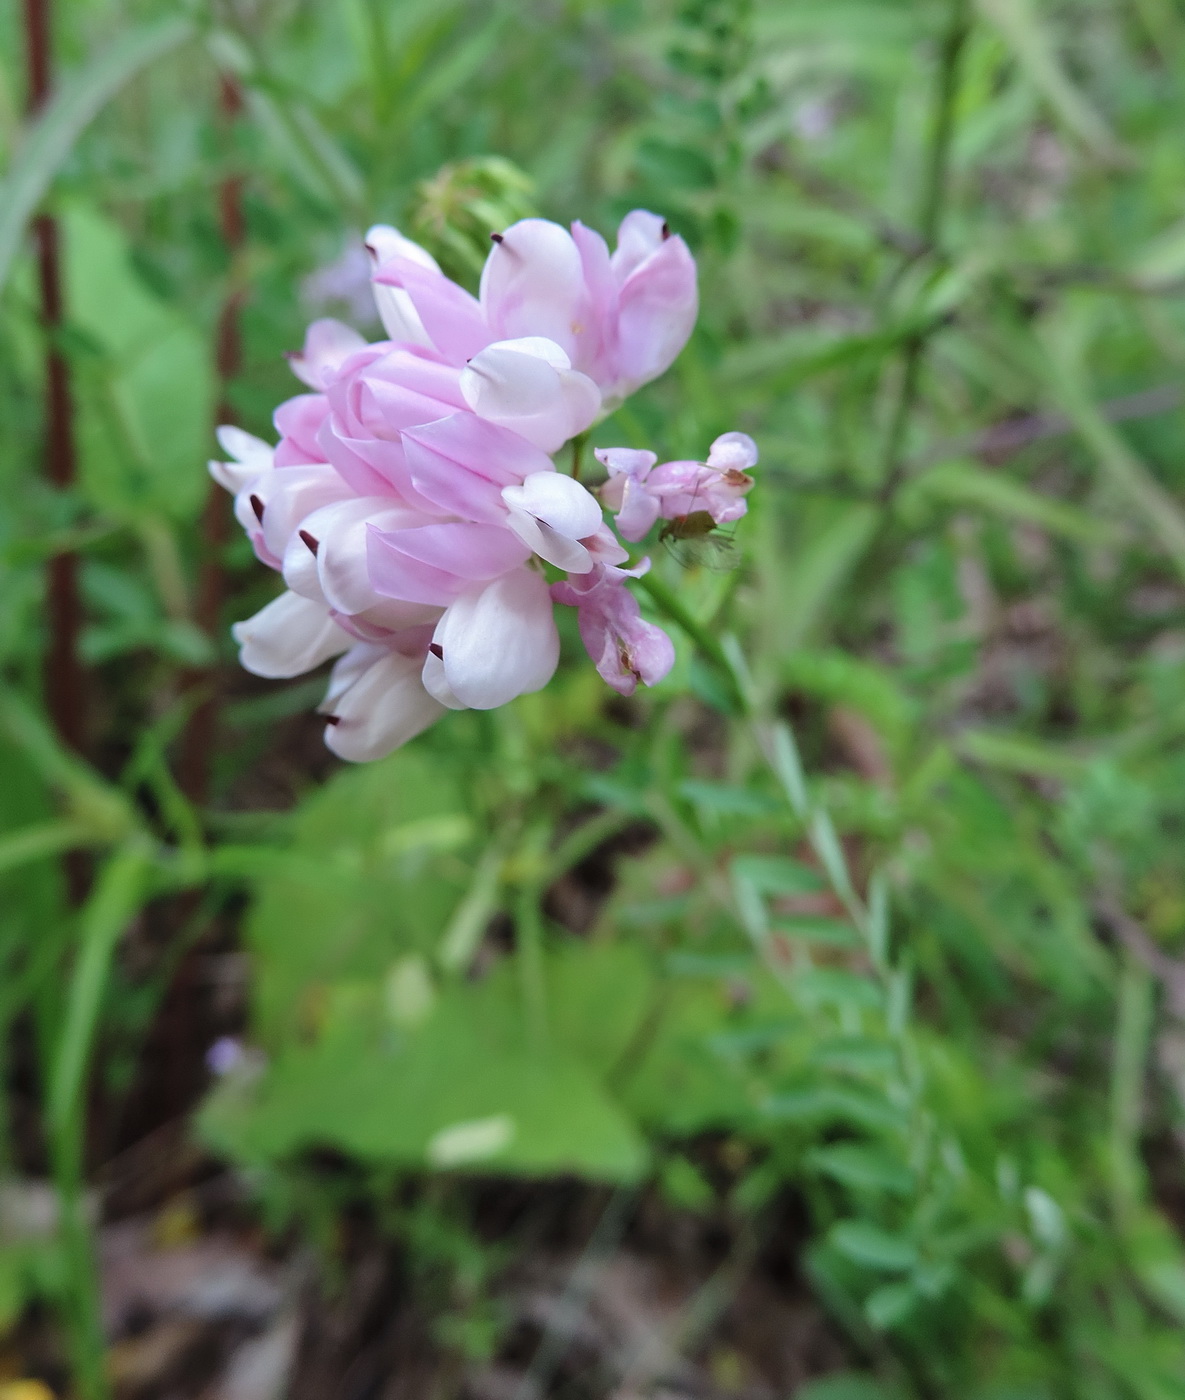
934,990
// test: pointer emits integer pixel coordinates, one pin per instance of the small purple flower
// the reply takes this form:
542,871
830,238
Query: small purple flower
639,493
225,1054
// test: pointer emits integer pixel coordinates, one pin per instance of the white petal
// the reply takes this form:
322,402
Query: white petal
400,318
299,567
251,457
291,494
351,668
385,242
233,476
533,283
565,553
244,447
379,702
524,385
288,637
327,344
436,682
559,501
499,641
733,452
340,533
639,234
626,461
539,347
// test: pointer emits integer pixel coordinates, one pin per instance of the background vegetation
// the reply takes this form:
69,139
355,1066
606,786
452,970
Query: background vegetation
895,1046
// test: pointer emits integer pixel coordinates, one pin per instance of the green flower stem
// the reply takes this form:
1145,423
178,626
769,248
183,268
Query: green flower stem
578,445
117,895
1134,1026
669,602
931,209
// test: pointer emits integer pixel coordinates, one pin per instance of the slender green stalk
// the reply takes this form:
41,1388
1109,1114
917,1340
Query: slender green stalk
775,740
670,603
463,931
931,209
578,445
1133,1036
583,841
116,897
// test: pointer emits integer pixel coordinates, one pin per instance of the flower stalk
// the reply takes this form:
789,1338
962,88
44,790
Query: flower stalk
931,210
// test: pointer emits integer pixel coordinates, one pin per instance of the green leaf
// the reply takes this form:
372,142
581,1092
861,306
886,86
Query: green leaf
679,167
464,1088
804,587
834,986
831,933
777,875
848,1385
818,1106
890,1304
51,135
863,1168
837,677
854,1054
376,869
873,1247
964,484
684,1185
146,402
723,800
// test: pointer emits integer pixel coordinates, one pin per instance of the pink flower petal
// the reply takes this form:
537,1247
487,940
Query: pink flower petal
451,318
434,563
470,551
327,344
353,469
533,285
639,234
656,314
460,464
298,422
625,647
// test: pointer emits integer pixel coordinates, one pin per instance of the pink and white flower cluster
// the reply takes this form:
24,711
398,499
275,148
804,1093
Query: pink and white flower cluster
412,504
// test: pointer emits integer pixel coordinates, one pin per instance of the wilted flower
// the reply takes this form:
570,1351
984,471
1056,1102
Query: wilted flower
412,504
624,646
